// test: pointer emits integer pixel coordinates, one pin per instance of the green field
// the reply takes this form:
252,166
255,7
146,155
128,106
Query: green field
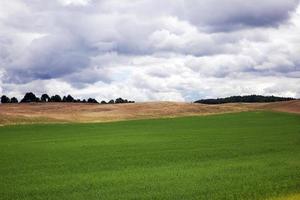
251,155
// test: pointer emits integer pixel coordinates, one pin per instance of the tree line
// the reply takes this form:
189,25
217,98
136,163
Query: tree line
30,98
245,99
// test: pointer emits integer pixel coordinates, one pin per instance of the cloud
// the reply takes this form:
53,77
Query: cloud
150,50
233,14
75,2
48,57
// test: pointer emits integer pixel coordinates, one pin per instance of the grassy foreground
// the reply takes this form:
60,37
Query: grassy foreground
253,155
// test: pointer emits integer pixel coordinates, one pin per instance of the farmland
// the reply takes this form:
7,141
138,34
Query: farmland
32,113
244,155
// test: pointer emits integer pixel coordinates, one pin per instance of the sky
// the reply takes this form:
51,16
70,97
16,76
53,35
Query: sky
150,50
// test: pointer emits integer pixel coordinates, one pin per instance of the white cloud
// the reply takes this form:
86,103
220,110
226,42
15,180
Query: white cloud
150,50
74,2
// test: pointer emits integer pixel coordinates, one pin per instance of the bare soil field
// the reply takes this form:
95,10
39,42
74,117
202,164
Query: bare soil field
77,112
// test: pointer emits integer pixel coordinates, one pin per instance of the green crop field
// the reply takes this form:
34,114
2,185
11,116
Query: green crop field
251,155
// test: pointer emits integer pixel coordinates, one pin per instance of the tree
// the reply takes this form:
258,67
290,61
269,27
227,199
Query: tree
64,99
5,99
69,98
111,101
45,98
14,100
244,99
103,102
29,97
55,98
90,100
119,100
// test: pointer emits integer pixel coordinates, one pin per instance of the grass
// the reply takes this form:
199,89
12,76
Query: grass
251,155
290,197
17,120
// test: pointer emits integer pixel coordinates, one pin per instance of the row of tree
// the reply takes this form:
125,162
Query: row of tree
244,99
30,97
5,99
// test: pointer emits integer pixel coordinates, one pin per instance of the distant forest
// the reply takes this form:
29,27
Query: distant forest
30,98
244,99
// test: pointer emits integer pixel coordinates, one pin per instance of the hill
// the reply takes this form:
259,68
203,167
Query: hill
77,112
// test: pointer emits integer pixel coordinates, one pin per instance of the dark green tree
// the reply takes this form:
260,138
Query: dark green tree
14,100
5,99
90,100
45,98
244,99
29,97
119,100
69,98
55,98
111,101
